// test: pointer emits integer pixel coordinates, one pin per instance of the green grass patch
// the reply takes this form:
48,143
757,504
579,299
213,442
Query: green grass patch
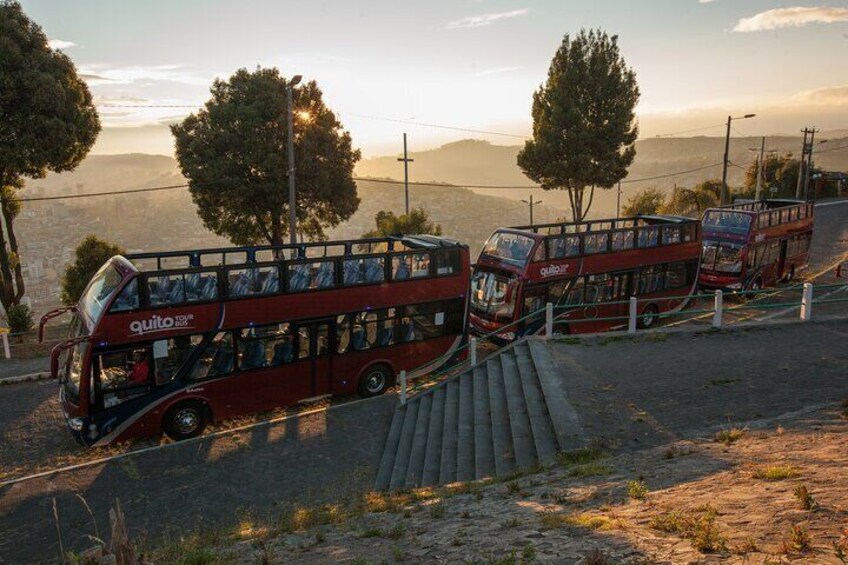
776,473
580,456
730,436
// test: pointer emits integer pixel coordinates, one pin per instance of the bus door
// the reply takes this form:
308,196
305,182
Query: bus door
319,335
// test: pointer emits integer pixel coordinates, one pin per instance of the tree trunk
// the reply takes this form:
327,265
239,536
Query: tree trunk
9,219
8,295
276,230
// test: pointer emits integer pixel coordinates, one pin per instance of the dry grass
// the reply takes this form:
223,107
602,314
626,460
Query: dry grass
590,470
805,499
798,540
554,520
702,529
775,473
637,490
730,436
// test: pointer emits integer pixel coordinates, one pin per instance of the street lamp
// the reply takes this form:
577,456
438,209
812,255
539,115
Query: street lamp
726,150
531,202
292,213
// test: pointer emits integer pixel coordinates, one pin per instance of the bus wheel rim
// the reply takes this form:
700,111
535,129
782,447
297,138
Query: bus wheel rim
376,381
649,317
187,420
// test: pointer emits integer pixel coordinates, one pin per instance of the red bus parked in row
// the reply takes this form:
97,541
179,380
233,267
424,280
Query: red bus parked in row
171,341
753,245
586,270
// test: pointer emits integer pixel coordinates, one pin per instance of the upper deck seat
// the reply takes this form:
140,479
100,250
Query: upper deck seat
176,295
271,283
384,336
299,277
352,272
254,355
324,279
402,271
241,287
192,286
374,270
358,341
210,288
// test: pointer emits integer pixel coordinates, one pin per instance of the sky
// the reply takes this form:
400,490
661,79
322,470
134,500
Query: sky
388,67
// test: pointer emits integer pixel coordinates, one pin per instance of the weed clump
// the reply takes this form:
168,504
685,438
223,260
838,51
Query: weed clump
730,436
798,540
776,473
637,490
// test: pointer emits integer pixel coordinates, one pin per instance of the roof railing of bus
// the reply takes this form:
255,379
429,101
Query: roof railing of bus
772,212
762,205
611,224
246,255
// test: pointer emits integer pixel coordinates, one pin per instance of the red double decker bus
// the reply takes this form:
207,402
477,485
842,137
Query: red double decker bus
752,245
171,341
588,270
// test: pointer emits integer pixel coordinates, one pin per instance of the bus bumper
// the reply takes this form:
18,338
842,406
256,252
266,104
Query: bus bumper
711,283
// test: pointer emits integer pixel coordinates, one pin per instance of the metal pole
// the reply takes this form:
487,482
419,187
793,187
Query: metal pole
801,165
809,165
618,201
472,348
634,312
719,304
292,200
531,210
406,161
761,169
549,319
6,350
723,199
402,388
807,302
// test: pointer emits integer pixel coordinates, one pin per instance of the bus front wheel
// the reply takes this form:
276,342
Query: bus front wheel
649,317
186,420
374,381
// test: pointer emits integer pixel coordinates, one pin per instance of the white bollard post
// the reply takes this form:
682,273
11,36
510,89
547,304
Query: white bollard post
6,350
549,319
634,313
472,347
807,302
402,388
719,306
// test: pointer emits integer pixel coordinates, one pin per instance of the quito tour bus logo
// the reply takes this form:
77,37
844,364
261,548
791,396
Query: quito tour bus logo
552,270
160,324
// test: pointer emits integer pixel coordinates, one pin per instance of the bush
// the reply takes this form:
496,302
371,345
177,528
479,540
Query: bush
19,318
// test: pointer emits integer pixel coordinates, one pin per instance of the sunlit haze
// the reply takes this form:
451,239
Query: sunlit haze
470,64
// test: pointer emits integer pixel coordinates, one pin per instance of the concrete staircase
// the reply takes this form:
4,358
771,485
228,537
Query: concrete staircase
508,413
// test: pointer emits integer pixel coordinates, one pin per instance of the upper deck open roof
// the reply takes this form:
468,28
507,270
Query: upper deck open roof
763,205
631,222
246,255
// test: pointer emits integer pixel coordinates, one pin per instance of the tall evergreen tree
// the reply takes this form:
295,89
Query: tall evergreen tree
91,253
584,129
235,156
48,122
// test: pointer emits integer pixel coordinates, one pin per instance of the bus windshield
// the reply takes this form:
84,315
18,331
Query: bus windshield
99,290
722,257
734,222
493,295
509,247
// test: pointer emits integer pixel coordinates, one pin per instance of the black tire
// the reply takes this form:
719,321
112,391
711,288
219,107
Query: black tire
375,381
649,317
186,420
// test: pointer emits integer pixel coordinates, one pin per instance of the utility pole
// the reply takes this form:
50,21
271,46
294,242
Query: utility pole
531,202
801,165
292,200
724,191
761,170
618,201
406,161
809,164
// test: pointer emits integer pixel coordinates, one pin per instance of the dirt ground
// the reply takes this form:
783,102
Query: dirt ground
559,516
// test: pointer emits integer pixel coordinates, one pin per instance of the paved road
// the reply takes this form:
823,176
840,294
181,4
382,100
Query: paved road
216,481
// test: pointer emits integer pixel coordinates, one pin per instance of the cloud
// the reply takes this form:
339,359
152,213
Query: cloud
485,19
827,96
60,44
496,71
103,74
705,1
798,16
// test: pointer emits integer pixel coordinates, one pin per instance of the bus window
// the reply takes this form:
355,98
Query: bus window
648,236
170,354
651,279
303,342
534,300
493,295
622,240
509,247
556,290
670,235
246,282
128,299
217,358
265,346
166,289
410,266
365,270
599,288
343,331
752,256
447,262
564,246
675,276
595,243
123,375
575,293
427,319
322,339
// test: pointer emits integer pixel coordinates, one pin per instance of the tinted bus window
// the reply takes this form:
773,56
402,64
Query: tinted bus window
123,375
510,248
595,243
217,359
447,262
266,346
410,266
128,299
622,240
564,246
100,289
363,271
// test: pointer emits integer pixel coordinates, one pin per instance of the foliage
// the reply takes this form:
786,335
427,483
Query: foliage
416,222
584,129
19,318
646,201
234,153
776,473
637,490
48,122
780,171
91,254
693,201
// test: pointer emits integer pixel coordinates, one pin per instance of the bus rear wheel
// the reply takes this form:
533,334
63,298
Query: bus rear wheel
186,420
374,381
649,317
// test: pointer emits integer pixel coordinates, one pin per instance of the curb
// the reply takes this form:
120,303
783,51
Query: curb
25,378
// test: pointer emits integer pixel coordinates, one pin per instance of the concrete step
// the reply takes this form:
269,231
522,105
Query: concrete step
415,469
569,431
484,455
544,435
465,431
503,452
447,468
433,454
387,461
522,434
405,446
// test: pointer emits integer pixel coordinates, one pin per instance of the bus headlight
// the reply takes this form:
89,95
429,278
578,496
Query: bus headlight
75,424
735,286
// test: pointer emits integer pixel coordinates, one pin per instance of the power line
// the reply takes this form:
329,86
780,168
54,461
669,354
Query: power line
689,131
